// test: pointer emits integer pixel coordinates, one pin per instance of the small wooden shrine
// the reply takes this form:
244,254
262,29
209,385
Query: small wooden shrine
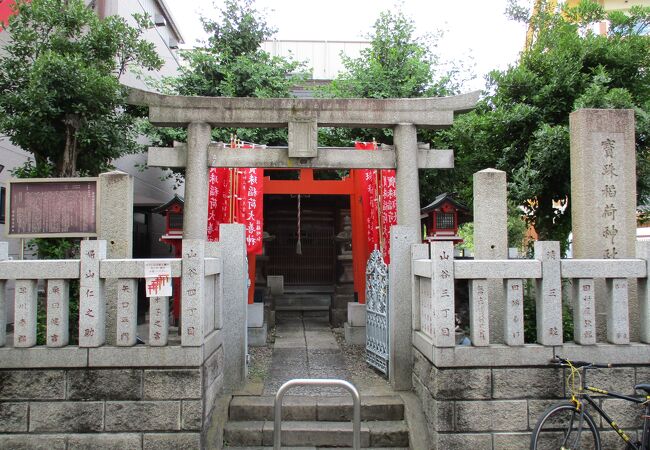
441,218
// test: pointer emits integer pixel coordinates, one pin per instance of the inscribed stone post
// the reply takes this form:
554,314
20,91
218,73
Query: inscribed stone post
479,325
444,317
92,306
603,194
127,312
25,313
235,290
548,292
400,306
58,300
584,311
158,321
491,238
514,323
116,228
643,252
193,292
618,320
418,251
4,254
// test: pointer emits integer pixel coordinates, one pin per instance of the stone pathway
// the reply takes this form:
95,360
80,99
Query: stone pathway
305,347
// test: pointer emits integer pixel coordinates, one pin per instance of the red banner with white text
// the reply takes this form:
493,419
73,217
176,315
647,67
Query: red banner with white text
237,196
379,203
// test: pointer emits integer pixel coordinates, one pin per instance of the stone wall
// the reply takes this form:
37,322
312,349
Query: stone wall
497,408
144,407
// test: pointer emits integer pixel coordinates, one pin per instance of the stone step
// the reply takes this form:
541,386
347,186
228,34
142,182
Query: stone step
330,409
380,434
314,448
303,302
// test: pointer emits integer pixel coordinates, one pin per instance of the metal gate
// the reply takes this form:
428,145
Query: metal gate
377,312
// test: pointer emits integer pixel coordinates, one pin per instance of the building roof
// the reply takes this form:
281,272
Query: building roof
170,19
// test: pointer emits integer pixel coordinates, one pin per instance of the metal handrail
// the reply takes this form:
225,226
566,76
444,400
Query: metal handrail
356,404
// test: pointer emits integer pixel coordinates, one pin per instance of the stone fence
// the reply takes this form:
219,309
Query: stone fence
489,395
123,395
433,293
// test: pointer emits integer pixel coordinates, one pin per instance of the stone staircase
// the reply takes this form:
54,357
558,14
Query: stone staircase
316,422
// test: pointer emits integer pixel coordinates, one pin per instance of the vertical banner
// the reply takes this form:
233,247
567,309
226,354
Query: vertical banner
237,196
378,198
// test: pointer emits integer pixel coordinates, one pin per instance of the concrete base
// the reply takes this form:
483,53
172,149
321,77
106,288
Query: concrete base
355,335
255,315
357,314
257,336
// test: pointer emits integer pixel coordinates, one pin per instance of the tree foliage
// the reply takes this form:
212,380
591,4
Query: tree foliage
397,64
521,126
60,94
232,64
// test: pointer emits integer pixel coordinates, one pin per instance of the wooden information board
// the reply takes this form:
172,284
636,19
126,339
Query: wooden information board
52,207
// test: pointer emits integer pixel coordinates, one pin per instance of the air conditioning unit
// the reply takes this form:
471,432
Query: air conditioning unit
173,43
159,20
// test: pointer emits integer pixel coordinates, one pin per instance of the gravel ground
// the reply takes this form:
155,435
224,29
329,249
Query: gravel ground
355,360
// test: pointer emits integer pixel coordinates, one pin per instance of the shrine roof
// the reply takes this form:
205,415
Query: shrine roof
442,198
162,209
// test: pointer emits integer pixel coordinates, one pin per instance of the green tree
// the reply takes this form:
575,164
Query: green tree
521,125
397,64
60,94
232,64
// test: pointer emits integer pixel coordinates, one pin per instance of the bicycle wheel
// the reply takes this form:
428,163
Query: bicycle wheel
563,427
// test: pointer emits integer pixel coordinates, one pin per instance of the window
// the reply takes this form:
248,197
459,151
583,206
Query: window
444,221
2,204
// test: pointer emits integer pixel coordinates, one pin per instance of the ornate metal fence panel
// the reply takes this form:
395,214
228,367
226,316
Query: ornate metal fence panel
377,312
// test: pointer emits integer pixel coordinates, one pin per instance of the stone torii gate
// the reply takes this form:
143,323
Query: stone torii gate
302,117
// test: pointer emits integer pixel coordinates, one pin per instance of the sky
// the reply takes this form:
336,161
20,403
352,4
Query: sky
475,31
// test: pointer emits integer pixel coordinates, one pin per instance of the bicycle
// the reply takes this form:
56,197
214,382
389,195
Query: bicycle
569,426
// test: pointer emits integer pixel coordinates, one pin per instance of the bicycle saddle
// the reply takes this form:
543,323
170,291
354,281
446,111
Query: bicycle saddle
643,387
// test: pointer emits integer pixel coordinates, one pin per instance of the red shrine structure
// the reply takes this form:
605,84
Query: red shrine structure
306,209
441,218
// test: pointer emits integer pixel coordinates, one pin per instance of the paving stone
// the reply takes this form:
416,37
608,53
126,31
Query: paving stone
511,441
528,383
191,415
261,408
112,441
76,417
172,384
243,433
491,415
13,417
463,384
143,416
618,379
171,441
465,441
389,433
332,434
32,384
104,384
33,442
